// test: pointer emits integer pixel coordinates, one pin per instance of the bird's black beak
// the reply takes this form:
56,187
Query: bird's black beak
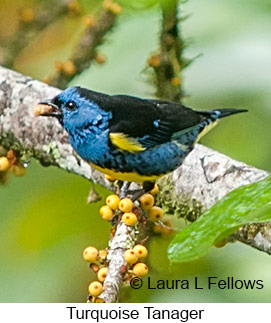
48,109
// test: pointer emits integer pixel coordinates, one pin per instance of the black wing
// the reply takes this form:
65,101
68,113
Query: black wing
147,122
151,122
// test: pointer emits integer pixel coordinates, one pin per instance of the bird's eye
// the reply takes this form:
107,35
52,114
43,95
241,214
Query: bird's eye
71,105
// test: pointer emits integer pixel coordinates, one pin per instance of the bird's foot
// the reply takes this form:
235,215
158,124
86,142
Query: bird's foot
147,186
124,189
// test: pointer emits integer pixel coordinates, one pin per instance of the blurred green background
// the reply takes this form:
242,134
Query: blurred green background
45,222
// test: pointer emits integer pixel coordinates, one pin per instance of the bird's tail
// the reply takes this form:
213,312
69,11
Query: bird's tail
211,118
221,113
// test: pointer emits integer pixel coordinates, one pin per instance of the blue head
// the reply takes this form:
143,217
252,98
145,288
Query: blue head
79,112
76,109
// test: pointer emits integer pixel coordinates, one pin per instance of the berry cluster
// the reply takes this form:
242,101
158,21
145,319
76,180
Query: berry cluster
135,267
114,7
129,212
155,62
10,162
93,255
134,258
67,67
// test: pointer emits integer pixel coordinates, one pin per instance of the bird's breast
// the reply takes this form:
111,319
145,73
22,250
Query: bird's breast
149,164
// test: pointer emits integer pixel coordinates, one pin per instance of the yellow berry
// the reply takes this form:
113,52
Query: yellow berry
102,274
88,20
90,254
176,81
107,4
38,110
74,7
18,170
112,232
11,154
69,68
126,205
154,61
155,190
103,254
112,6
95,288
46,80
99,300
109,178
146,201
140,269
100,58
130,257
141,251
4,164
115,8
106,213
163,228
155,213
113,201
166,230
94,267
157,228
58,65
129,218
27,15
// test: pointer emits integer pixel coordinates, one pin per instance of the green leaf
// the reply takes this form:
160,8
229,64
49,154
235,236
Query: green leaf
246,204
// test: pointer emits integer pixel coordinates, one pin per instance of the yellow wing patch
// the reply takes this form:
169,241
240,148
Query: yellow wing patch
206,129
125,142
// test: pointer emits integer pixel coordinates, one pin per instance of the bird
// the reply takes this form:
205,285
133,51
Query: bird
129,138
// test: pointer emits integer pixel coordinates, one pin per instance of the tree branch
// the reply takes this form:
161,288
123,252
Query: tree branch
204,178
31,23
168,63
125,238
35,137
85,51
256,235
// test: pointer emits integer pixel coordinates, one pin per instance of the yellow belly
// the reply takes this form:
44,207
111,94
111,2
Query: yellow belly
129,177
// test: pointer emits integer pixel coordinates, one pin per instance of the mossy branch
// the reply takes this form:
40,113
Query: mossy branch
167,64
